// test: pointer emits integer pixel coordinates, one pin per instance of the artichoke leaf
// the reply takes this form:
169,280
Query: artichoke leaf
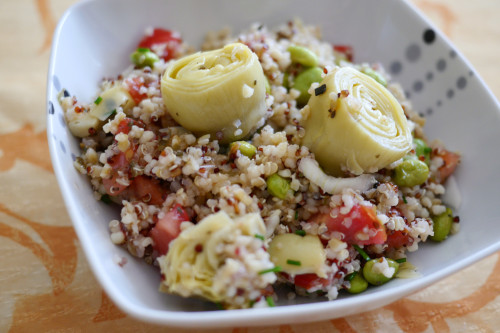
220,92
356,124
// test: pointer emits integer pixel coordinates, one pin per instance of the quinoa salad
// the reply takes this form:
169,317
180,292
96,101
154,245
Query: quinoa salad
267,160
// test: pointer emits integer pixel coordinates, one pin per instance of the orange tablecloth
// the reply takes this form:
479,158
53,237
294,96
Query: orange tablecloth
45,281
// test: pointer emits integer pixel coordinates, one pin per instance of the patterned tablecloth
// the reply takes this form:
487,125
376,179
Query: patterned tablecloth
45,282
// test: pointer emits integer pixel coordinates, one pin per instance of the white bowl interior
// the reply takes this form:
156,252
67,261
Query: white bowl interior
94,40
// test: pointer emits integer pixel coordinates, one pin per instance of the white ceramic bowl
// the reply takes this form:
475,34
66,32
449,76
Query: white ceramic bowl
94,40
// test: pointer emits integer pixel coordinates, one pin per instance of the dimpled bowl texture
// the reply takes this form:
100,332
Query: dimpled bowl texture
94,39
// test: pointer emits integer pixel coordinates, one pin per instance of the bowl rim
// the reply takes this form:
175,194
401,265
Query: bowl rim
298,313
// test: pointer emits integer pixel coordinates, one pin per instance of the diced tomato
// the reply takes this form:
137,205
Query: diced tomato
346,50
162,37
134,88
118,162
398,238
112,187
125,126
359,226
148,189
168,228
451,161
310,280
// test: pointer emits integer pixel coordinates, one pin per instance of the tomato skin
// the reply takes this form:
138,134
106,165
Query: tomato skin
310,280
451,161
147,188
168,228
159,37
118,162
359,226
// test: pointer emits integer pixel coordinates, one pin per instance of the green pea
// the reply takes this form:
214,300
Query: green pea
375,75
303,82
358,284
376,278
303,56
442,225
421,149
244,147
411,172
278,186
143,57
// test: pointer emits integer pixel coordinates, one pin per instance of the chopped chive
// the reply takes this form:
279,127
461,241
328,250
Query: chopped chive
113,113
106,199
362,252
296,214
427,150
252,302
142,49
269,270
259,236
400,260
98,100
270,301
300,232
351,276
404,199
219,306
293,262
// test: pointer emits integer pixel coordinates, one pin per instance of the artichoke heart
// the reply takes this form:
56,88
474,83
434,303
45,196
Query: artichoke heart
355,124
220,92
203,261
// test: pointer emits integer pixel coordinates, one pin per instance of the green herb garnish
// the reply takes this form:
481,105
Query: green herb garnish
362,252
98,100
400,260
404,199
106,199
300,232
270,301
351,276
293,262
269,270
259,237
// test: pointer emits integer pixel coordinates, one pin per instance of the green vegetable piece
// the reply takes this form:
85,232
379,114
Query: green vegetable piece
244,147
303,82
375,75
421,149
143,57
358,284
268,86
278,186
411,172
303,56
378,278
442,225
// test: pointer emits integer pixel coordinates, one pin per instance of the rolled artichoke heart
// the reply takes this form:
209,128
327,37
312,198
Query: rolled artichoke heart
220,92
196,257
355,125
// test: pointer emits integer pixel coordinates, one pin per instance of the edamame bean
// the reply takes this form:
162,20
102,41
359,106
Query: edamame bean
442,225
358,284
375,75
303,82
244,147
143,57
411,172
278,186
421,149
373,276
303,56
